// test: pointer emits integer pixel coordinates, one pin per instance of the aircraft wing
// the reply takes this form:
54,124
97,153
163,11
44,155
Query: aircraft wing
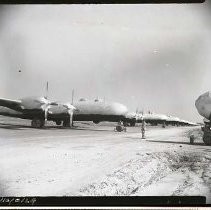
12,104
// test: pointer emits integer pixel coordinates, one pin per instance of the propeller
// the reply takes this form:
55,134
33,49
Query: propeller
45,105
46,108
70,108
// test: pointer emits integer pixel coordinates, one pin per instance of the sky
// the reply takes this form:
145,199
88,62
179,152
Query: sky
150,57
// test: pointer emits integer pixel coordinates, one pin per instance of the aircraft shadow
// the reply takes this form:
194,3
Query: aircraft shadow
176,142
12,126
89,129
21,127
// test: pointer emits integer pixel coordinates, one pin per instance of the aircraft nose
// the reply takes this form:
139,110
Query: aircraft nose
203,105
197,102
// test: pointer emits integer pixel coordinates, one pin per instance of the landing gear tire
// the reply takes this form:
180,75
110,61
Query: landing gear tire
58,122
207,140
96,121
37,123
66,123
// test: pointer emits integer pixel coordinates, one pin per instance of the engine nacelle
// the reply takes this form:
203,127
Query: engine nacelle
33,102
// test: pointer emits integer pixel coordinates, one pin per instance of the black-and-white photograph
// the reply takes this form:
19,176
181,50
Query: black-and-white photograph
105,100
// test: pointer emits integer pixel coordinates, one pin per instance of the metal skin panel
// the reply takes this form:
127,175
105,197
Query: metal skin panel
100,108
98,111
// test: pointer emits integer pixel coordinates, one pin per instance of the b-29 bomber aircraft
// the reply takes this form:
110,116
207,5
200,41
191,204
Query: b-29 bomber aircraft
99,110
38,110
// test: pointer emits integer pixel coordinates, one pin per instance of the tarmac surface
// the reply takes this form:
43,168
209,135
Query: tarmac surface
95,160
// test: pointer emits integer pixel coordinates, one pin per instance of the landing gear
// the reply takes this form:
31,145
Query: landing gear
164,125
207,135
96,121
37,123
132,124
125,124
58,122
66,123
207,140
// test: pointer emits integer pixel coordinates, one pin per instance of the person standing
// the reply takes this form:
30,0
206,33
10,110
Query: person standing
143,129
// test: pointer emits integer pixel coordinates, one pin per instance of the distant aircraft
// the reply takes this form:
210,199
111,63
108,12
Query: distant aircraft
99,110
39,110
153,119
175,121
156,119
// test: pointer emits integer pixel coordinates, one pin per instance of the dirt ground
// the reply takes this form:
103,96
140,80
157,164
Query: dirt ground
94,160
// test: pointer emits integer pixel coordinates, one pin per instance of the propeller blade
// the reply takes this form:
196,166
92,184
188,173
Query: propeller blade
46,109
70,112
46,114
69,106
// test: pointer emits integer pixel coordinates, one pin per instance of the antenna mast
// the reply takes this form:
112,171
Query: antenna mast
46,96
72,96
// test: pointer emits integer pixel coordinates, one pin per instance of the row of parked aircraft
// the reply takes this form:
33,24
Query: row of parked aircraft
40,110
157,119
